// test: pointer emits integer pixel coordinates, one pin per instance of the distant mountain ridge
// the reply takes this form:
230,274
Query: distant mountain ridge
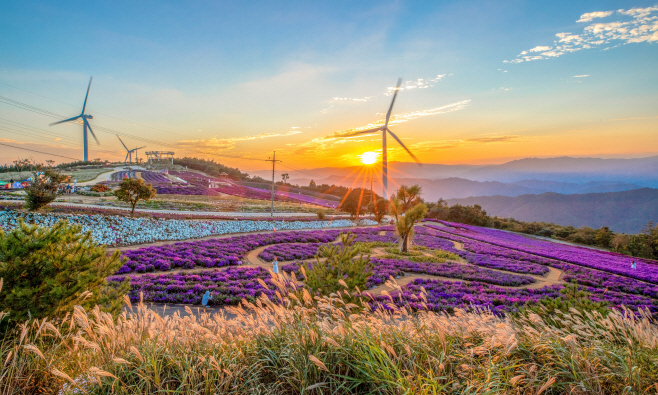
639,171
626,211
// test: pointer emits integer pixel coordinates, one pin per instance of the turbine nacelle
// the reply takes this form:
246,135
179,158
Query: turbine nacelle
87,116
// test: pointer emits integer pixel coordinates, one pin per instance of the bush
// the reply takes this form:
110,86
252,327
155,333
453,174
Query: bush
49,270
341,265
321,214
44,188
100,188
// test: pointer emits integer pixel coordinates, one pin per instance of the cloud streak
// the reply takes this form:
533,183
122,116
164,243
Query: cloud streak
628,26
230,143
346,136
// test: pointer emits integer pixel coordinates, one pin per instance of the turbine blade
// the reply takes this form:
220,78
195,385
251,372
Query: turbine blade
390,109
403,146
92,132
135,149
87,95
124,146
66,120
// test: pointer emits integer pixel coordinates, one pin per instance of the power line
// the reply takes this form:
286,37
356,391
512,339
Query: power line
40,152
40,111
109,116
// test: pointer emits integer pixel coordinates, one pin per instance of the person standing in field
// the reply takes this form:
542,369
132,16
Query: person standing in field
275,266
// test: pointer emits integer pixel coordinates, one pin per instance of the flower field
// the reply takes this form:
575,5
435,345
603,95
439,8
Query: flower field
492,273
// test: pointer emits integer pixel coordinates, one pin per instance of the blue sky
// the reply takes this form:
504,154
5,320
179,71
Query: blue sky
243,78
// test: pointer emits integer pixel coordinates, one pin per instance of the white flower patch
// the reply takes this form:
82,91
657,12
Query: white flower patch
118,230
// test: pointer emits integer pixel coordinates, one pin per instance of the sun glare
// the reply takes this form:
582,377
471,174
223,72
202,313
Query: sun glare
368,158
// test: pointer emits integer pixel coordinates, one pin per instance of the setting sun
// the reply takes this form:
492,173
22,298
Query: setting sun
368,158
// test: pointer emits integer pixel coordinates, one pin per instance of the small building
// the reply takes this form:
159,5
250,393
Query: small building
223,176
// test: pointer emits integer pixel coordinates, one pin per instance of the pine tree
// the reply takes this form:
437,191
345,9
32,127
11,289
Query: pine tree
47,271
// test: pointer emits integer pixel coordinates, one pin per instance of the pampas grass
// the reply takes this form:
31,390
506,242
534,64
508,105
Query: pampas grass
326,345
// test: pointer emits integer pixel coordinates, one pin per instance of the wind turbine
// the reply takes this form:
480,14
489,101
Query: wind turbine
384,129
129,152
85,124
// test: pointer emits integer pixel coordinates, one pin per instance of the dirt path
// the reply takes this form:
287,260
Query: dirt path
252,260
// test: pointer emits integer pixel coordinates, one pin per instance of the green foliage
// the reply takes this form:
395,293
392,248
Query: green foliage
553,309
132,191
404,221
379,209
356,202
43,189
47,271
341,263
445,255
408,196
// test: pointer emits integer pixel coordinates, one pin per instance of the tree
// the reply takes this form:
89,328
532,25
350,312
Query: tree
439,210
285,177
311,184
409,196
50,162
619,241
404,222
47,271
132,191
379,209
44,187
341,263
354,203
21,164
603,236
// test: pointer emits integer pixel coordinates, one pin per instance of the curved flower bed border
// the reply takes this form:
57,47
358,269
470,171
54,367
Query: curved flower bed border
120,230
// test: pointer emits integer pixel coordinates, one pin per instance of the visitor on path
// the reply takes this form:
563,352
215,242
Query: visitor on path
275,266
633,265
206,298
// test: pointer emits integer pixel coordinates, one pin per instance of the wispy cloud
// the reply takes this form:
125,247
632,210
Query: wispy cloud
581,76
350,99
420,83
347,136
627,26
228,143
494,139
633,119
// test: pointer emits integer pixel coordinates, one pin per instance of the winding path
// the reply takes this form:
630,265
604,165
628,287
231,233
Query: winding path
252,260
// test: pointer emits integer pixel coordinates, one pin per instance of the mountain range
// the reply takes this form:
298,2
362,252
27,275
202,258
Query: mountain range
639,171
626,211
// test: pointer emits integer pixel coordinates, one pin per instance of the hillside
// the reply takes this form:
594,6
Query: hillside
626,211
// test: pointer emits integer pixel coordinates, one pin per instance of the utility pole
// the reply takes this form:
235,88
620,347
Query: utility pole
273,160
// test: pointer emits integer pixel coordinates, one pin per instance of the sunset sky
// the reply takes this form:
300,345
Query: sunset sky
483,81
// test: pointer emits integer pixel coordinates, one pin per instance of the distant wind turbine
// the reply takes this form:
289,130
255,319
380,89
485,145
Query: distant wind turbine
384,130
85,124
129,152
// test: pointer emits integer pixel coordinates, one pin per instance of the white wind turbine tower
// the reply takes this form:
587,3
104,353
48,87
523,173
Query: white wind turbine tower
384,129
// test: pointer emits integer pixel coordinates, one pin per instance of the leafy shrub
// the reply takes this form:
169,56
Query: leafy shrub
43,189
341,265
49,270
321,214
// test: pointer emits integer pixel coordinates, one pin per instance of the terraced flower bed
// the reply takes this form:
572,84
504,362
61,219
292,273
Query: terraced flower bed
601,260
228,286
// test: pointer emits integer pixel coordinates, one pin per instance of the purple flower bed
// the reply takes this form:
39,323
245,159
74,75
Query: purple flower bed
383,268
289,252
596,259
494,258
447,295
154,177
228,286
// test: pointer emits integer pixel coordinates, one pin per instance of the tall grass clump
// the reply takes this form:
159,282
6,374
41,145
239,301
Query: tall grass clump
325,345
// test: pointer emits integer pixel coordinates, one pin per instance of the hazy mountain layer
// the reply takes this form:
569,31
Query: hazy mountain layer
626,211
